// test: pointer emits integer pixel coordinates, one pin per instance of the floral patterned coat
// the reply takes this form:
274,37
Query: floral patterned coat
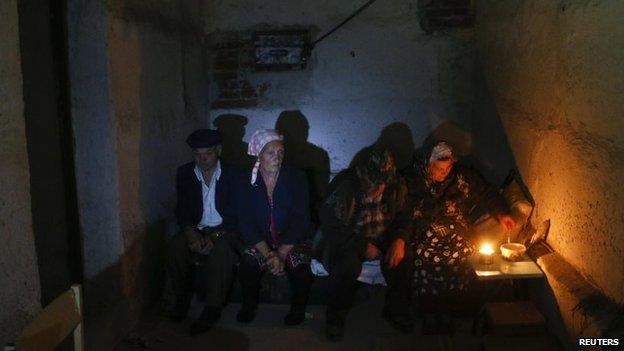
440,225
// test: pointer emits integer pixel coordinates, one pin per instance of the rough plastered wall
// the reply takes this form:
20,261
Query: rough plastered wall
138,90
378,69
19,280
159,94
551,74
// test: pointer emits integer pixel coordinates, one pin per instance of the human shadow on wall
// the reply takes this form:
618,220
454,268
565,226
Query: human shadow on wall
300,153
457,136
397,138
234,149
461,139
481,148
491,150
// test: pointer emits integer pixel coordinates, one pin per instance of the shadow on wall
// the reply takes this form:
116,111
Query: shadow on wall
457,137
150,50
396,137
491,151
485,149
300,153
232,129
110,296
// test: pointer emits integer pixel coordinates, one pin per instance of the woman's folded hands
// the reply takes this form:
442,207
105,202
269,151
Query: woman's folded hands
274,263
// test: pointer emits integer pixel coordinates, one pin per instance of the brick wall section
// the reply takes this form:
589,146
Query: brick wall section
232,61
440,14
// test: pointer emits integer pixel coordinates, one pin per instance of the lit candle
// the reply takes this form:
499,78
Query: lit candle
485,253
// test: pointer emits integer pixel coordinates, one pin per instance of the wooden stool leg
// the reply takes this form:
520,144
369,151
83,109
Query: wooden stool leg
78,332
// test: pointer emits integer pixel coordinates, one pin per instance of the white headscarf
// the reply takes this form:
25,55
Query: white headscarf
258,140
442,150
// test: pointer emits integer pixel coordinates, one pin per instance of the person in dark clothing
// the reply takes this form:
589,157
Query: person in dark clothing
274,219
442,196
359,222
205,245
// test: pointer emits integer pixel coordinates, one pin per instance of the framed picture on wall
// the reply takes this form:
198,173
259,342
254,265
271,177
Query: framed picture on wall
281,50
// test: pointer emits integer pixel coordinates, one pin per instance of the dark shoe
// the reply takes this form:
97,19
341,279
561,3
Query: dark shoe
210,315
445,324
400,321
437,324
179,311
176,316
295,316
200,326
429,325
334,331
334,325
246,314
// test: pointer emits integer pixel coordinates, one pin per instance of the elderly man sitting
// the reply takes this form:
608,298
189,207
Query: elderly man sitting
359,221
206,214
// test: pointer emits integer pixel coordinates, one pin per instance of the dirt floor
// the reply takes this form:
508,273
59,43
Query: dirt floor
365,330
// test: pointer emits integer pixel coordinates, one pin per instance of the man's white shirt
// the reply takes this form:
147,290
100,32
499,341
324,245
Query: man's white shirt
210,216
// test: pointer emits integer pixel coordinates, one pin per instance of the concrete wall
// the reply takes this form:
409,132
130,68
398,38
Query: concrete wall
138,90
550,73
19,281
378,69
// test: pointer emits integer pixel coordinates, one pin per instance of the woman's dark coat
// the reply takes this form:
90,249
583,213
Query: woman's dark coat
291,208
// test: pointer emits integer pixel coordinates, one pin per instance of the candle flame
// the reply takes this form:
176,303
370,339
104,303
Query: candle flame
486,249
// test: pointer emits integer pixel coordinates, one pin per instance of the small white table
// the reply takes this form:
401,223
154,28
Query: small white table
499,272
503,269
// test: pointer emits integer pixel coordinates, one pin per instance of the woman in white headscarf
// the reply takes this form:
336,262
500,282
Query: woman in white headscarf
443,195
274,219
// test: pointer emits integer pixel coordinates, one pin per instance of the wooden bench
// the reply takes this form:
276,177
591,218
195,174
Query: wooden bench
57,320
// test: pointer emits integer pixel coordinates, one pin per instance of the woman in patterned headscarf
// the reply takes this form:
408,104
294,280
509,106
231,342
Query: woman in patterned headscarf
274,220
443,194
358,221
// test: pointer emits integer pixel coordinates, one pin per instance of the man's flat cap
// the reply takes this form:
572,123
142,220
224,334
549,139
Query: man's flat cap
204,138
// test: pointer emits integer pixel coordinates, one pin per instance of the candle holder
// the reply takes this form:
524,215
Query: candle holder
485,254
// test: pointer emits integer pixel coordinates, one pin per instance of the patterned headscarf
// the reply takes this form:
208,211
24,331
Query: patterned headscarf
258,140
379,167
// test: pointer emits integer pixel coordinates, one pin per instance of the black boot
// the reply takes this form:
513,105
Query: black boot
247,313
445,323
429,324
398,304
249,275
180,310
295,316
399,318
438,323
334,324
210,315
300,279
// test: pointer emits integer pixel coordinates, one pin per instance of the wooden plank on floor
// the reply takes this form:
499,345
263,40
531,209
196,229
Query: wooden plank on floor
514,318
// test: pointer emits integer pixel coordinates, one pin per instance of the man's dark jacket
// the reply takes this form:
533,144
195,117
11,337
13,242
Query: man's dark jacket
190,206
